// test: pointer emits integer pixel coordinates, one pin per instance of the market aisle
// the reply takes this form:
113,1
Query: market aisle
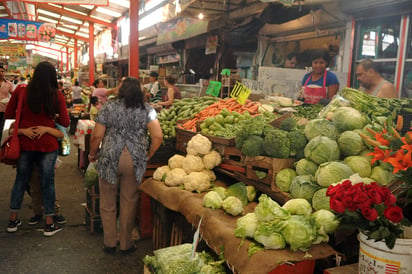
73,250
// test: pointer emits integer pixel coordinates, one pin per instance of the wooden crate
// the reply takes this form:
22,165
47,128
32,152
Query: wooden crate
271,166
94,223
144,216
93,202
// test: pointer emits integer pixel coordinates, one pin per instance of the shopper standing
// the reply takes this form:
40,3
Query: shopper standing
173,92
152,89
41,102
6,89
77,93
121,128
101,92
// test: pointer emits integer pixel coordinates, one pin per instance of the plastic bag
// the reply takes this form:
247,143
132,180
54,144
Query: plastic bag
336,102
64,143
90,176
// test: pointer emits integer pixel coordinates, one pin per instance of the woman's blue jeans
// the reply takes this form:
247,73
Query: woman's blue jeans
45,162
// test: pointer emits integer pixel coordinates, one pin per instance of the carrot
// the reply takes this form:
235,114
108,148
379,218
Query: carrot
399,122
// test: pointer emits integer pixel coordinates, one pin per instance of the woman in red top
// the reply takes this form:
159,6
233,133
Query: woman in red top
41,102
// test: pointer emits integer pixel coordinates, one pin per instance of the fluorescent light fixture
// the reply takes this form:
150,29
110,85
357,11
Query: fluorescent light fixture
71,20
108,12
101,19
82,34
47,19
87,6
54,5
52,14
76,11
85,30
66,30
4,15
70,26
123,3
57,36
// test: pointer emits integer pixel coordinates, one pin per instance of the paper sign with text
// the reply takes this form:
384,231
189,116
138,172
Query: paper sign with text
240,92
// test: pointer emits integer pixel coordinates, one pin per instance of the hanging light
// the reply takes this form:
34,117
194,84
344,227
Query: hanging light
200,15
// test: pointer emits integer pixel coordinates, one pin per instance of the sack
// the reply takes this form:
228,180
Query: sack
64,143
10,150
90,176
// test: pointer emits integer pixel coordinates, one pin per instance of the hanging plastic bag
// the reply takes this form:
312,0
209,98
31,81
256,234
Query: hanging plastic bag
64,143
90,176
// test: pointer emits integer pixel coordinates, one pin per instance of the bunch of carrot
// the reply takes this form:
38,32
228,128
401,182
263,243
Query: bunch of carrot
214,109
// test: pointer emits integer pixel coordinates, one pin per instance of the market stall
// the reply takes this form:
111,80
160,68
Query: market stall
217,229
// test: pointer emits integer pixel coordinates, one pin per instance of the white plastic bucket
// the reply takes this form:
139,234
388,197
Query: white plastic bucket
377,258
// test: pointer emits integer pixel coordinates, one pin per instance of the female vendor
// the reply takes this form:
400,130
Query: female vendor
320,85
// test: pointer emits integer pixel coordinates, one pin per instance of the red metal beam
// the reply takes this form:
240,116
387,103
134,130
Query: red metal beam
7,8
75,15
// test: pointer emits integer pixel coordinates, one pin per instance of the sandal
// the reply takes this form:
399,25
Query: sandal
109,250
129,251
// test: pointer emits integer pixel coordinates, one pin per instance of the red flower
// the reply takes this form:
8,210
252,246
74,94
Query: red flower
337,206
360,197
393,214
369,213
375,195
349,203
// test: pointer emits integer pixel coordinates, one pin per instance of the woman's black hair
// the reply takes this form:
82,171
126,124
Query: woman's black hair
170,79
94,100
132,93
320,53
42,89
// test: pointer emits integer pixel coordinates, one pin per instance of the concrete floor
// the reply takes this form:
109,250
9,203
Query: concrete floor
73,250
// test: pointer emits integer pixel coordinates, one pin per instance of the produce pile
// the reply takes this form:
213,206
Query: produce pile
178,259
193,172
182,109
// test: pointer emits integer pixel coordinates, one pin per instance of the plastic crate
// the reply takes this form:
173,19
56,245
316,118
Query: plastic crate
303,267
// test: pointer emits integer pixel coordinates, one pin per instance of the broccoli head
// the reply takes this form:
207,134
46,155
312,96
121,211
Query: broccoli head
253,146
277,144
298,141
288,124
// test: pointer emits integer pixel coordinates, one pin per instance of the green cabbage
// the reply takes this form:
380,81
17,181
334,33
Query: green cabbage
327,220
221,190
246,226
306,167
238,190
381,175
347,118
303,187
300,232
332,172
251,193
298,206
322,149
268,234
212,200
359,164
350,143
269,210
320,200
320,127
284,178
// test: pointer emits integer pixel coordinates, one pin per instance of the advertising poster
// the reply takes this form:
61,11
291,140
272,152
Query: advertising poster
27,30
179,29
12,50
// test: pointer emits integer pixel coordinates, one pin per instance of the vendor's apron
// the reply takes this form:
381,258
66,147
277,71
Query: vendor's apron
313,95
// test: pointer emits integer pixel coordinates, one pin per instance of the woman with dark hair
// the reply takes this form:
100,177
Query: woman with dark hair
41,102
320,85
173,92
121,128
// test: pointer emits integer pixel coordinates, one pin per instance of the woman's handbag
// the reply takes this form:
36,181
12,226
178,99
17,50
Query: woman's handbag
10,149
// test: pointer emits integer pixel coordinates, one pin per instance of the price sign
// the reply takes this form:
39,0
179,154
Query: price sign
240,92
214,88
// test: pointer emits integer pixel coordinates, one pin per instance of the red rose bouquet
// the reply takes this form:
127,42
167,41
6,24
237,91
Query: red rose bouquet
370,208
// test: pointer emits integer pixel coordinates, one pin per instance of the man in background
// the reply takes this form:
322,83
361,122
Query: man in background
6,88
291,60
371,81
153,89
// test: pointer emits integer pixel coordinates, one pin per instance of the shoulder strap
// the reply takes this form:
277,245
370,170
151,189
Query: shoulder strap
307,80
18,112
324,78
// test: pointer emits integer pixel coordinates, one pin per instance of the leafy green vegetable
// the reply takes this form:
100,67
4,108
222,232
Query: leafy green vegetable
320,127
350,143
303,187
253,248
284,178
359,164
251,193
306,167
246,226
238,190
299,232
298,141
322,149
298,206
326,220
212,200
233,206
381,175
347,118
320,200
269,210
267,233
332,172
288,124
